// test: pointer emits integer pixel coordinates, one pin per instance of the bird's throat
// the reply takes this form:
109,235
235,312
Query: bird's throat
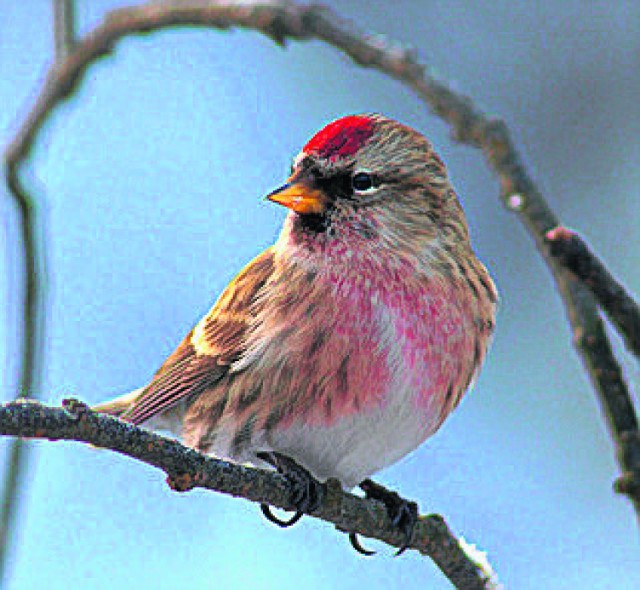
313,223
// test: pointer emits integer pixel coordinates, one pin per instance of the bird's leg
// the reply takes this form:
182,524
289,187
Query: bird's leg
307,492
403,513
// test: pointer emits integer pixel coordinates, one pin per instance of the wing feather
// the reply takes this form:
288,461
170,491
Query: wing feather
204,356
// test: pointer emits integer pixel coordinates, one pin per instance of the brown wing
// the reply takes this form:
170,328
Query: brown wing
204,356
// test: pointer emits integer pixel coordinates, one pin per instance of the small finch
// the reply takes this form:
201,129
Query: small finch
347,343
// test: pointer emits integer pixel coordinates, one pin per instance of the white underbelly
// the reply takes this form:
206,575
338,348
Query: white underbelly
353,448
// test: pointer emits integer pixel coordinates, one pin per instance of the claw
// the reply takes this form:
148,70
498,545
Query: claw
355,543
306,492
403,513
271,517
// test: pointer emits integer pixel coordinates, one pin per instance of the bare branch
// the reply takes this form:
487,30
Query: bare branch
595,348
187,469
30,351
28,373
17,461
63,27
591,341
573,253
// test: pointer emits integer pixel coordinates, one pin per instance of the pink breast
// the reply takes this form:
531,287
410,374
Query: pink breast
385,329
432,325
427,321
354,363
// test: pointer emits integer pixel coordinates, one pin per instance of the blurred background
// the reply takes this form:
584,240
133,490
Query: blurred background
150,182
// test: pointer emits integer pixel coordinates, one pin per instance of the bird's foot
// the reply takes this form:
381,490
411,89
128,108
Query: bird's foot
403,514
307,492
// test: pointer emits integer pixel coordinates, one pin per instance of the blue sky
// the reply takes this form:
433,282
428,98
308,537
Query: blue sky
150,182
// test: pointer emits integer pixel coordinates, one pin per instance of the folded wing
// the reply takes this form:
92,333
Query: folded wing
205,355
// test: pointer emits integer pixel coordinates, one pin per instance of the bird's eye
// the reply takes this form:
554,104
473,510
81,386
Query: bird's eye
362,181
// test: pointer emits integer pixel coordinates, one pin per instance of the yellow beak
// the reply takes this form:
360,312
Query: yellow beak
300,198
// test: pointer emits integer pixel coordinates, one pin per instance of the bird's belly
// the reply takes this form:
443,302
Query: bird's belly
355,446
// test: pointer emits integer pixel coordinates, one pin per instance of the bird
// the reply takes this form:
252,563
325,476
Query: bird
347,343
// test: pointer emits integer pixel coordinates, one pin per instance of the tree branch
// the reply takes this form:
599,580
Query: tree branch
187,469
574,254
29,348
28,372
63,27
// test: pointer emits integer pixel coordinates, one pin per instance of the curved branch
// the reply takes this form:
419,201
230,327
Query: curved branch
187,469
28,372
29,349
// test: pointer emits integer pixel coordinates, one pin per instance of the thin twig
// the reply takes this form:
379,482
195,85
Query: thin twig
187,469
574,254
18,457
17,463
63,28
30,351
591,341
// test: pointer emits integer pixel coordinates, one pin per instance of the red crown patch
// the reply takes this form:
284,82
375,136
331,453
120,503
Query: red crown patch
341,138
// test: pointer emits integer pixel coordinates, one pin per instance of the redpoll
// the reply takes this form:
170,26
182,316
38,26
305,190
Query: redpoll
347,343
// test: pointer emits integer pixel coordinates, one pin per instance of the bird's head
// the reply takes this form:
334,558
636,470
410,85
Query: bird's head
366,181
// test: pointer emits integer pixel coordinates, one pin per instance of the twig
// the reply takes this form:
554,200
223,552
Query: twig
187,469
591,341
63,27
17,462
29,349
33,299
574,254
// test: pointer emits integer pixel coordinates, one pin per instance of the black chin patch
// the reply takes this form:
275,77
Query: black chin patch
314,223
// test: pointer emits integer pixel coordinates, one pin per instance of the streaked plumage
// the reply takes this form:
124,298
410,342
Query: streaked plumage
347,343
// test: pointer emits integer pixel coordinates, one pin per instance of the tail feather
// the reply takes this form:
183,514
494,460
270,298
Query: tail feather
119,405
170,421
